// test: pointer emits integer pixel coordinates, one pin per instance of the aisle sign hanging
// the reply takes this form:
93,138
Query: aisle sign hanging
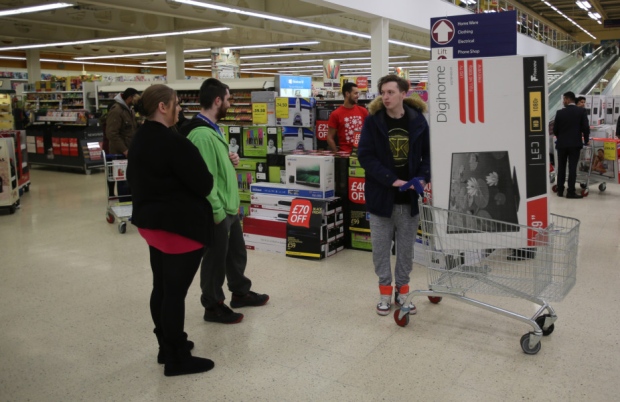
474,35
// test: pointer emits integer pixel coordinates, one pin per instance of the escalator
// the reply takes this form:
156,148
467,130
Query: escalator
581,77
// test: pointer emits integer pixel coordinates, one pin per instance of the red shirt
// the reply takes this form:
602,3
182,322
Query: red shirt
348,122
168,242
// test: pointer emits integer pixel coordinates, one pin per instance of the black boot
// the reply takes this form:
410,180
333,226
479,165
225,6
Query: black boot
161,355
179,361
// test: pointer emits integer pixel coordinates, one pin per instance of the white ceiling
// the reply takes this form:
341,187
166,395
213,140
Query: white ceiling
115,18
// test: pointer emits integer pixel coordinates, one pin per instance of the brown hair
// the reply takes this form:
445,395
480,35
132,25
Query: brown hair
403,84
152,96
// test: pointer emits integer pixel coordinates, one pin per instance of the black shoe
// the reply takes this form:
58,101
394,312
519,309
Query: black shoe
223,314
574,195
249,299
191,365
560,193
161,356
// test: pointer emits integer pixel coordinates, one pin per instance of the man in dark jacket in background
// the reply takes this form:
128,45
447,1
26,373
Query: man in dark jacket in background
571,123
393,149
120,122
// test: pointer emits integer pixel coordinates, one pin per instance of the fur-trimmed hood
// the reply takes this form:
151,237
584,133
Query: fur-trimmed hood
413,101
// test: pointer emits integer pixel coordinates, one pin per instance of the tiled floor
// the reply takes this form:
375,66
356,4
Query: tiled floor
75,322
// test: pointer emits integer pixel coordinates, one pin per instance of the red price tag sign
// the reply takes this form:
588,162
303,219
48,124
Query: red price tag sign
357,192
301,211
321,130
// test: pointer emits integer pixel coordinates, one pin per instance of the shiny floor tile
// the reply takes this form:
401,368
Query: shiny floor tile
76,326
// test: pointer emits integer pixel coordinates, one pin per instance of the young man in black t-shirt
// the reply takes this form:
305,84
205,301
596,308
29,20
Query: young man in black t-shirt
393,149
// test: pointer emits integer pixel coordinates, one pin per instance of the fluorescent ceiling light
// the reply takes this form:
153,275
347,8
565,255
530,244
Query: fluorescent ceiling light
571,21
273,45
207,49
117,56
270,55
274,17
122,38
35,9
584,5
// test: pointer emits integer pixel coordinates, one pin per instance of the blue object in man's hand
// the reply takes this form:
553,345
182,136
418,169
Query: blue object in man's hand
415,182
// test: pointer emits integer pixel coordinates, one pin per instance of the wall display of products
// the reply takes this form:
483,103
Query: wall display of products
9,190
66,145
42,98
21,157
6,112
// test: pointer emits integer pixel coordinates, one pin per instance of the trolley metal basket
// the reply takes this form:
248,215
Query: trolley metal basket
119,207
488,263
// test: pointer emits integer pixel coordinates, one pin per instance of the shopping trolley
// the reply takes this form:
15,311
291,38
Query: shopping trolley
119,207
472,254
584,171
604,166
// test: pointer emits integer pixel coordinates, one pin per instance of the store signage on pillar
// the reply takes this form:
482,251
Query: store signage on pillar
225,63
331,74
474,35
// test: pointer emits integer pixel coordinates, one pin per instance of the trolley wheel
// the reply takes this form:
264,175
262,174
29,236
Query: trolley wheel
109,217
122,227
554,188
401,322
541,321
434,299
583,185
585,192
602,187
12,209
525,345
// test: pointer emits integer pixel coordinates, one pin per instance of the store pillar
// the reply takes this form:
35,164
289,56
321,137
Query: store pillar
33,57
175,63
379,50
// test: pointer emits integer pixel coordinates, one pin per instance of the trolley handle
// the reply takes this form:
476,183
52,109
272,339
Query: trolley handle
112,157
416,183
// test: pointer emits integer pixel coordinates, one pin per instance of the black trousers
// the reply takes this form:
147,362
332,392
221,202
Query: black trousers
172,276
225,258
570,155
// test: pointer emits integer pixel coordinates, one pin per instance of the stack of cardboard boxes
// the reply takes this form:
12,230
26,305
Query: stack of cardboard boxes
301,217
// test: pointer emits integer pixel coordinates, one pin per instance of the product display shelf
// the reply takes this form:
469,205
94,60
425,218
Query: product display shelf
59,100
6,112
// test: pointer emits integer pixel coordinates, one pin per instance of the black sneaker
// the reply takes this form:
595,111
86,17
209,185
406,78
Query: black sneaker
223,314
249,299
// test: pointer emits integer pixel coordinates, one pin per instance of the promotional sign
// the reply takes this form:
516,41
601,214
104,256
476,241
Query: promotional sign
331,74
225,63
294,85
474,35
488,148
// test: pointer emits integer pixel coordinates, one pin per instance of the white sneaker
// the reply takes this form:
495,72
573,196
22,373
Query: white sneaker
384,305
401,299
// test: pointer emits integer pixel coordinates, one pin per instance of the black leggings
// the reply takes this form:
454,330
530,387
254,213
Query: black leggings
172,276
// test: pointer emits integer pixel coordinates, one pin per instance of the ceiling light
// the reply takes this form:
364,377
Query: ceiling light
270,55
272,45
116,56
584,5
35,9
122,38
273,17
573,22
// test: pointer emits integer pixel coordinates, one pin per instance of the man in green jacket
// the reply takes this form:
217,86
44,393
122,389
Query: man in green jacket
227,256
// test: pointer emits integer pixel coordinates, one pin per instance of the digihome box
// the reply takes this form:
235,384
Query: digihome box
307,234
489,148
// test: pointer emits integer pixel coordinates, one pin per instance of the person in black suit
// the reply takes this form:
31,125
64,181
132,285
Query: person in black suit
571,123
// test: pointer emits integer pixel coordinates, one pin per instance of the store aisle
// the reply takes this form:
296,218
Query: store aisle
76,325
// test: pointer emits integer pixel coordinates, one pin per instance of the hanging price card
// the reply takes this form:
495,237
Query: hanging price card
610,150
259,113
281,108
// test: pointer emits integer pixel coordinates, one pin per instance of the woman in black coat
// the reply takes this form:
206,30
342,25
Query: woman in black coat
169,183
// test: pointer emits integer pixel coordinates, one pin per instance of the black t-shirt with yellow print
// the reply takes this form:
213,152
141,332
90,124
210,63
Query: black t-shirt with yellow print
399,144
